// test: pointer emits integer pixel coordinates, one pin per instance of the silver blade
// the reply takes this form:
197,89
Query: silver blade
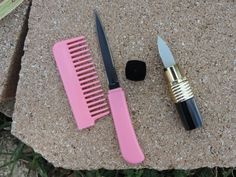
165,53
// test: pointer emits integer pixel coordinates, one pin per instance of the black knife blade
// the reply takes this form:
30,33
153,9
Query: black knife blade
106,55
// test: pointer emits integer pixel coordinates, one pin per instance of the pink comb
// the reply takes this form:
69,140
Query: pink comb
80,80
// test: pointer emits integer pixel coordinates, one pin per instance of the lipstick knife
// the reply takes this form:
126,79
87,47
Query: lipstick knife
127,139
180,89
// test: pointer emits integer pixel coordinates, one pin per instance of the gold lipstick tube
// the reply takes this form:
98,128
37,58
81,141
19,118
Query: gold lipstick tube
183,98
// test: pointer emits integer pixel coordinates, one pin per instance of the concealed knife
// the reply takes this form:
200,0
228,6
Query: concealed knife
180,89
127,139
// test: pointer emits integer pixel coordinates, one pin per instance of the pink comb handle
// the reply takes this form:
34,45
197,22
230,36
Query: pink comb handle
127,139
80,80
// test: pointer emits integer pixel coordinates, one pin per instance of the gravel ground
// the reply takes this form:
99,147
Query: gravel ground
8,143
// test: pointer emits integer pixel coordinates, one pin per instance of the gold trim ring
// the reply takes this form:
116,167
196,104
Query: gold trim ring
179,86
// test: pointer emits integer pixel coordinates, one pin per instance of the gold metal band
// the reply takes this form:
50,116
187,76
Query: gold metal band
179,86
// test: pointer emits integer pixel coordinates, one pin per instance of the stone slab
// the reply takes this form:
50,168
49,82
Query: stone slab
202,37
10,53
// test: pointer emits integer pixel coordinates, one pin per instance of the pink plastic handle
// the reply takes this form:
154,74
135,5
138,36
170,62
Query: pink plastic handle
127,139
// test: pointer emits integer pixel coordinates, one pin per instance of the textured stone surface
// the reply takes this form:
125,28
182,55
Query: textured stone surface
202,37
10,42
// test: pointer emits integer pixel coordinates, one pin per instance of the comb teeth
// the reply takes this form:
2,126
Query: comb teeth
80,80
87,77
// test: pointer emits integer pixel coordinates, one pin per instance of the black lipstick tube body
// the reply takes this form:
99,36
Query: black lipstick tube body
183,97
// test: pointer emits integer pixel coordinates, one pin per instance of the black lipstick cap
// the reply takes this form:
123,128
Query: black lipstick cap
189,114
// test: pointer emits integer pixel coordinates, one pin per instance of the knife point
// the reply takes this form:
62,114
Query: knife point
165,53
159,41
96,15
